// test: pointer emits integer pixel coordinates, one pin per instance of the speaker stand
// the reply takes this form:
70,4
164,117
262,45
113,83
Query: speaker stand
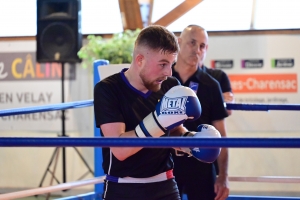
55,154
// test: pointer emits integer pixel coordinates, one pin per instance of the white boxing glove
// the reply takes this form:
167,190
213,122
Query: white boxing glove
207,155
179,104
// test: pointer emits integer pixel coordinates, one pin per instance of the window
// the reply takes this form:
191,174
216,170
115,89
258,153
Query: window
277,14
101,16
18,17
226,15
213,15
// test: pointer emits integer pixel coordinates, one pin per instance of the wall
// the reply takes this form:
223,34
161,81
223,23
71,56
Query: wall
271,76
23,83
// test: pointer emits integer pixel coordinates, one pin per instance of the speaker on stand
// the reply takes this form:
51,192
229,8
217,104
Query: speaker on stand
58,40
59,35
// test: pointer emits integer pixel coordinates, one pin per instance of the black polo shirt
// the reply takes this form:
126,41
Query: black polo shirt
220,76
116,100
210,96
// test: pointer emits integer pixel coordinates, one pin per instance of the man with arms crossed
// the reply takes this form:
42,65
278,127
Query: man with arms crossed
224,82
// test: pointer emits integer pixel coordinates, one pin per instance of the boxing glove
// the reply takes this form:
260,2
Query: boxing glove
207,155
179,104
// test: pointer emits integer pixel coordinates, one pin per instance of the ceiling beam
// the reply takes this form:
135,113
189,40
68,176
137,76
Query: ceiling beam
177,12
131,14
150,12
253,15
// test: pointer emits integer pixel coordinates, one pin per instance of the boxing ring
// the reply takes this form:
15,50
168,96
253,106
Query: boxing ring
98,141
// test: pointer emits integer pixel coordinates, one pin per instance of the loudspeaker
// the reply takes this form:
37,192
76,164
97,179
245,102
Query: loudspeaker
59,36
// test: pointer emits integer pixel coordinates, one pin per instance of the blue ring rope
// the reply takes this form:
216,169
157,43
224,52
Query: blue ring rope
149,142
262,107
86,103
51,107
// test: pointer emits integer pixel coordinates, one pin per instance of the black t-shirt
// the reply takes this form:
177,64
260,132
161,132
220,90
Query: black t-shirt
115,100
220,76
209,95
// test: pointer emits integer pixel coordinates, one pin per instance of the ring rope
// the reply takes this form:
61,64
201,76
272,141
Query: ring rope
97,180
146,142
49,189
163,142
86,103
51,107
262,107
268,179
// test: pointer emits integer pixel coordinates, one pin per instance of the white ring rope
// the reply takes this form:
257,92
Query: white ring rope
49,189
268,179
64,186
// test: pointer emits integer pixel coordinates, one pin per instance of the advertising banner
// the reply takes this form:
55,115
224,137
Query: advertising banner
263,69
25,83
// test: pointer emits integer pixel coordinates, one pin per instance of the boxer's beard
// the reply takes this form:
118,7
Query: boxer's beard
150,85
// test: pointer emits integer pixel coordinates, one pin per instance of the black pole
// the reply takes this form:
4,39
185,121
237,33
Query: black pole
63,134
63,121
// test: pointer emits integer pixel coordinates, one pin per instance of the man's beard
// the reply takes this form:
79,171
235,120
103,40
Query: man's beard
148,84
